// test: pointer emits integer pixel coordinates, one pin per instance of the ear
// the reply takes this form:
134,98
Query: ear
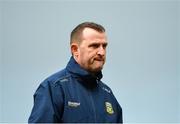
75,49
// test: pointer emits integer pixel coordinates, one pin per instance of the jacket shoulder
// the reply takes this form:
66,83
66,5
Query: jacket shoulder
106,88
55,78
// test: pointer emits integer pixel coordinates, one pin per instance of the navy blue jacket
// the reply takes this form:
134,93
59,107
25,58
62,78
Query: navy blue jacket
74,95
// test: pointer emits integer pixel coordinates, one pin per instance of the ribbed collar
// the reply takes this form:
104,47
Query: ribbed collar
74,68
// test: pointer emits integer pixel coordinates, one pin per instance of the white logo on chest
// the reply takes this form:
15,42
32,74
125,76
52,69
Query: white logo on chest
73,104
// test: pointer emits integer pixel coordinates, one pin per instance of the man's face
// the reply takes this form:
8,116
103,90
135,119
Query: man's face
91,52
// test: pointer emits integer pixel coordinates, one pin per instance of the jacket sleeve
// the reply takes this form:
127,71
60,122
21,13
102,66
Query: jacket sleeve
120,114
44,109
119,111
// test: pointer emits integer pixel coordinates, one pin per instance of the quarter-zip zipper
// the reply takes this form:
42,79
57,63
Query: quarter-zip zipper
93,103
93,107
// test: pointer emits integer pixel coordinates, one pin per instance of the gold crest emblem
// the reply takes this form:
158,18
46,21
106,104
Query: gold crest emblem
109,108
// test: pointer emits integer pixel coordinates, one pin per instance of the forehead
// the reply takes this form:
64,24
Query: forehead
91,34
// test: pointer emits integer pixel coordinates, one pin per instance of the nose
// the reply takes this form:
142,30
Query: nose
101,51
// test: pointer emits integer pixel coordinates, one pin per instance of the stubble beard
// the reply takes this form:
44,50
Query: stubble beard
93,65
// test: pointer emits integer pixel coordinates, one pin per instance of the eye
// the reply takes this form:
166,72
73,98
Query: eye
105,45
94,45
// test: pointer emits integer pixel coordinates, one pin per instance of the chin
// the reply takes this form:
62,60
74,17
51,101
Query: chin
97,69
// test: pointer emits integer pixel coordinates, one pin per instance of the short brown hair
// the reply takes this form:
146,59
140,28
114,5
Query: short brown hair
76,33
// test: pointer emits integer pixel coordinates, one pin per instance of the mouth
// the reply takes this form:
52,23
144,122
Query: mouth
99,59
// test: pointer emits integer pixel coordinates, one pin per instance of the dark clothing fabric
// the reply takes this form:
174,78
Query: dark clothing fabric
74,95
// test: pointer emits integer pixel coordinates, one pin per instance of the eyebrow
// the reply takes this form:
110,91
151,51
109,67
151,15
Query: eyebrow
98,44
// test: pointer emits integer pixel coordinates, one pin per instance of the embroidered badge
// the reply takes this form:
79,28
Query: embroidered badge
73,104
109,108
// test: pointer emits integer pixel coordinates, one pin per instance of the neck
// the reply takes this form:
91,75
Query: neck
91,72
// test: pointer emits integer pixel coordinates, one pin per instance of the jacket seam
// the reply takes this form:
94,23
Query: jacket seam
55,83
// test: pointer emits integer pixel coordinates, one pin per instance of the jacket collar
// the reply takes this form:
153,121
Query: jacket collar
74,68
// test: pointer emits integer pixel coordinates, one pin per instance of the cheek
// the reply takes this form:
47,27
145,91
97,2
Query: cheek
87,55
84,55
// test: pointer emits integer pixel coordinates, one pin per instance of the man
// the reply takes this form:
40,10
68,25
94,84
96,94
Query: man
76,94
